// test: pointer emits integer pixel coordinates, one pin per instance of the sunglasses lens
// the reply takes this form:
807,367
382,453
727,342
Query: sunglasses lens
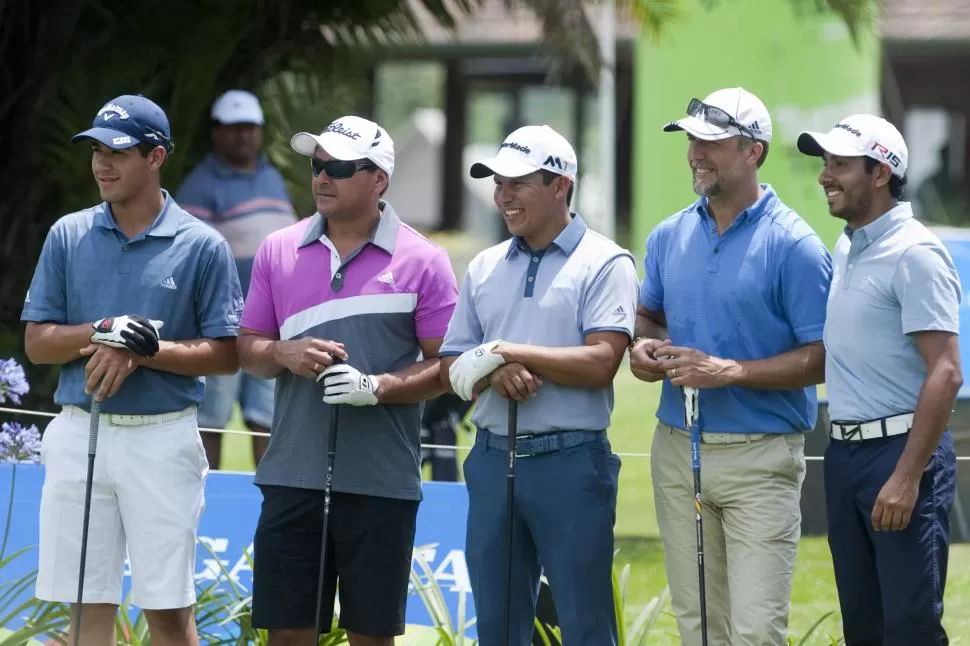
335,168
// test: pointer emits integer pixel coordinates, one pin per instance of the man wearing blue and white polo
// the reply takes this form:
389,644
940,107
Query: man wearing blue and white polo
734,298
238,191
136,300
543,318
893,372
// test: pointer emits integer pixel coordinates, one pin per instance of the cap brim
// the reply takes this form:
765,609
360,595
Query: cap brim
114,139
503,167
815,144
235,121
701,129
307,144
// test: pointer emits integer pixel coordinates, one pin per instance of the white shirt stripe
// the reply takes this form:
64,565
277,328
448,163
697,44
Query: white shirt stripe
342,308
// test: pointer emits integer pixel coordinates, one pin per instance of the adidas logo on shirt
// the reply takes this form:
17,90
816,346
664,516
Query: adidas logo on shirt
169,283
619,311
387,278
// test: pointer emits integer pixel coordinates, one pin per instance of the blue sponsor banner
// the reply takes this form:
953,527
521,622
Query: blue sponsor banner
227,527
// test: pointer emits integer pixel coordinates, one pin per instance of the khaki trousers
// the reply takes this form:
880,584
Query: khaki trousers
750,492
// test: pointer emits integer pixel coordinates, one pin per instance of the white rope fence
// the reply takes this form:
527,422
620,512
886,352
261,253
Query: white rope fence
446,447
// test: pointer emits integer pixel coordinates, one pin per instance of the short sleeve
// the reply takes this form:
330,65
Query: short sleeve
220,299
610,301
652,289
46,298
465,330
193,196
806,277
259,313
928,288
437,296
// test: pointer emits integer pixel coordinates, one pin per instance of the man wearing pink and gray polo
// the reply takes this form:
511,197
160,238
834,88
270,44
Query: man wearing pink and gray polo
354,282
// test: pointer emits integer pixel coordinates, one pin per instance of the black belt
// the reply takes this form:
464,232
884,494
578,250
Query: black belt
532,444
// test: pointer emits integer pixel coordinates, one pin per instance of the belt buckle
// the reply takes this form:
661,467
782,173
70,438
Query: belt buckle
518,438
850,432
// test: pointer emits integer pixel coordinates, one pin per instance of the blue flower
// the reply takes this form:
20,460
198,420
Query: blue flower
13,381
19,443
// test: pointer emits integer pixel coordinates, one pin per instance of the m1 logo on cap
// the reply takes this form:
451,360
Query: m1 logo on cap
887,154
554,162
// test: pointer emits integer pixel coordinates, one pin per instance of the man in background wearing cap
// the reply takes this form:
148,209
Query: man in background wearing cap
892,374
238,191
351,282
140,297
543,318
732,303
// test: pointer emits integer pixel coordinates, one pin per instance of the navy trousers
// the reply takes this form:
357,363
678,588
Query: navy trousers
890,583
565,507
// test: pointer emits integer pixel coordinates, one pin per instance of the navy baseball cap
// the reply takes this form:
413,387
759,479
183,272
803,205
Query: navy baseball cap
127,121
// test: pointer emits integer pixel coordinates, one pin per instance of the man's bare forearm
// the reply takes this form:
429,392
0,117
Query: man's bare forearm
930,418
194,358
416,383
587,366
257,356
55,344
648,328
799,368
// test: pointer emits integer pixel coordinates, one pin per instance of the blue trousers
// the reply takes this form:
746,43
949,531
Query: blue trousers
564,510
890,583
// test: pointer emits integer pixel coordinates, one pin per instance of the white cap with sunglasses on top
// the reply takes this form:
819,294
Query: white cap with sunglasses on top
731,112
350,138
860,135
527,150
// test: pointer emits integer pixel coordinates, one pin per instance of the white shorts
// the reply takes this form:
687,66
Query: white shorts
147,498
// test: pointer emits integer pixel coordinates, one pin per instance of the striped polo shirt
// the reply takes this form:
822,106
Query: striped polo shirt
379,301
245,207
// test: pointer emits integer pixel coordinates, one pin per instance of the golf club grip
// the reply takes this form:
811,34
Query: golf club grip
93,428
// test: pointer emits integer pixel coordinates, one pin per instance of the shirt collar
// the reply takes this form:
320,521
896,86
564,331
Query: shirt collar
384,234
166,223
881,225
567,240
764,204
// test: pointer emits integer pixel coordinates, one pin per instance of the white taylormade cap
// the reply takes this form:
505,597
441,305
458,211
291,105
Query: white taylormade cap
860,135
350,138
527,150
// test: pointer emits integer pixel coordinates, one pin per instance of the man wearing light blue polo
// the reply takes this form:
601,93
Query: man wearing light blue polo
732,303
543,318
136,300
893,372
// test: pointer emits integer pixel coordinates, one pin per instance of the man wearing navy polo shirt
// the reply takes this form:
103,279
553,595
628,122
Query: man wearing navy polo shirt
543,318
893,372
732,303
239,192
136,300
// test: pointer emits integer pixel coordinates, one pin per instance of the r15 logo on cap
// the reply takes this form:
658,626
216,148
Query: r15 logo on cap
887,154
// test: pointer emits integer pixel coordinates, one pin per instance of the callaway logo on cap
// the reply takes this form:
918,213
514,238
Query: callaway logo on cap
527,150
349,139
860,135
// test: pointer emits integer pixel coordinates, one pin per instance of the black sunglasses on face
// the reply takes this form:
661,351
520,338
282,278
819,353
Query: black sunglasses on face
338,168
716,117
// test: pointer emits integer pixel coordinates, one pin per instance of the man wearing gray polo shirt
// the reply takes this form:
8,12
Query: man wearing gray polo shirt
543,318
893,372
106,276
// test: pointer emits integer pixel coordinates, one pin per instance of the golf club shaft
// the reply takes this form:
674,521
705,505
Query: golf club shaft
92,451
325,528
691,419
513,429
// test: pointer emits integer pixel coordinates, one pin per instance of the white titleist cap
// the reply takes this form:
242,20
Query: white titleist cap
350,138
237,106
860,135
720,113
527,150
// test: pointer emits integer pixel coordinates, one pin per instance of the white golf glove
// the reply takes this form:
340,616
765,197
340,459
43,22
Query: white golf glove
472,366
345,384
128,332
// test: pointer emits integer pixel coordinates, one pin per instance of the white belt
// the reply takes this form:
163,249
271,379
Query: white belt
876,429
121,419
724,438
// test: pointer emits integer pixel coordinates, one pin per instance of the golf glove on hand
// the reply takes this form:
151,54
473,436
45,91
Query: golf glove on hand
128,332
473,366
344,384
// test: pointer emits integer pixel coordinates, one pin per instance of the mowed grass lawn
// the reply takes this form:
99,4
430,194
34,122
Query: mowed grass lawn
639,544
